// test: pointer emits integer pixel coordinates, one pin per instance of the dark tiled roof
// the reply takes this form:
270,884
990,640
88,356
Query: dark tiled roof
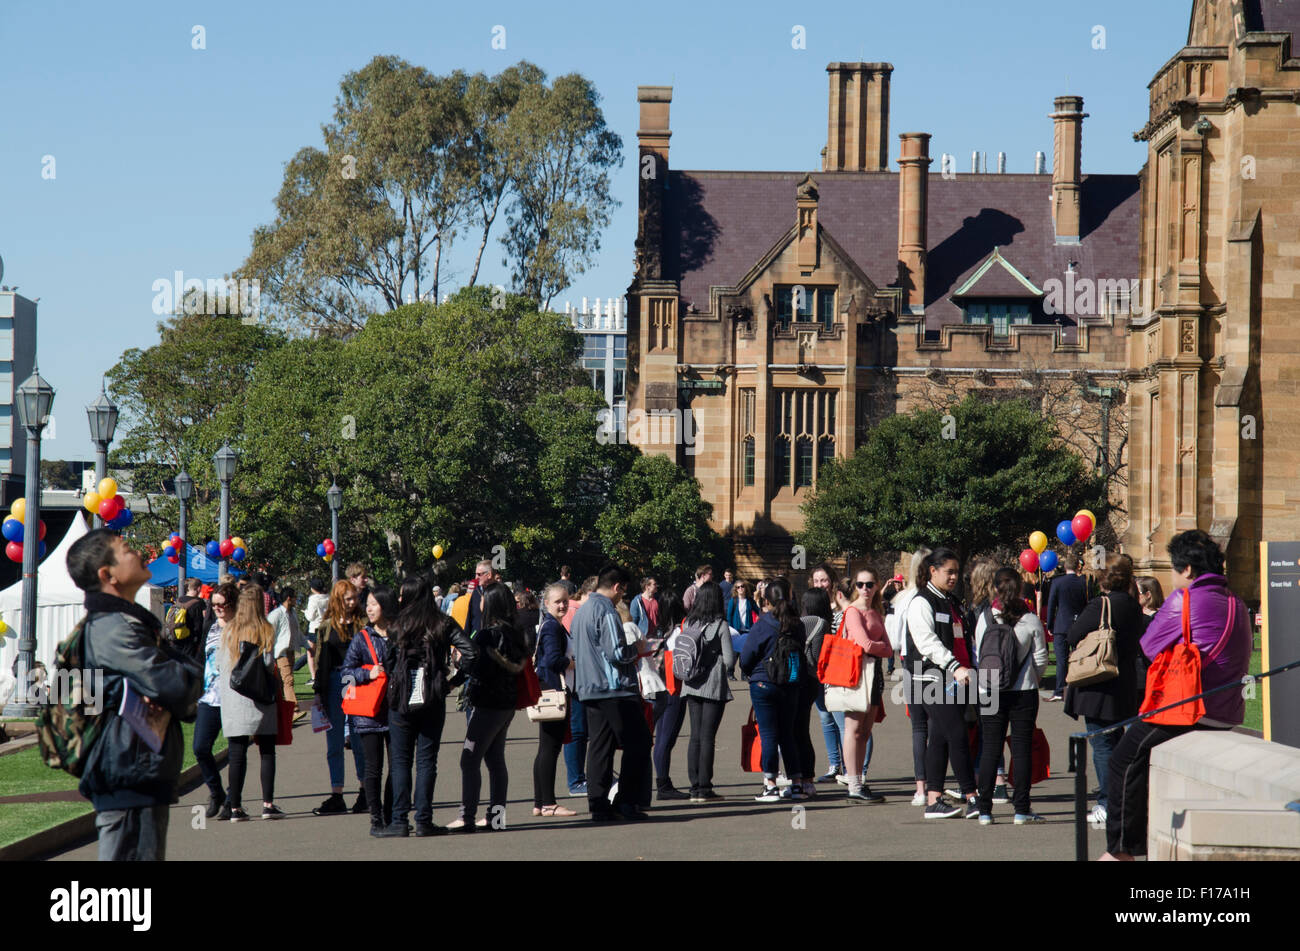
1274,16
997,282
727,221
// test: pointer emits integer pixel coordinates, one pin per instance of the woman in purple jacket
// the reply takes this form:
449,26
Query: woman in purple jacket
1221,630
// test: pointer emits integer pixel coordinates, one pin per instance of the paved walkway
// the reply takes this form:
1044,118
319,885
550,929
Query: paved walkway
826,828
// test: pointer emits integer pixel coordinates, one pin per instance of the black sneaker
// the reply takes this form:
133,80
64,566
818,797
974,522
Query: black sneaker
605,816
632,813
873,798
272,812
360,807
394,830
707,796
664,795
972,809
941,810
333,806
224,814
769,794
1000,795
238,815
215,803
423,831
377,828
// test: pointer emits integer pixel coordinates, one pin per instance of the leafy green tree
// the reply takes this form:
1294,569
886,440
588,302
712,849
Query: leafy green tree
175,399
983,479
657,522
59,474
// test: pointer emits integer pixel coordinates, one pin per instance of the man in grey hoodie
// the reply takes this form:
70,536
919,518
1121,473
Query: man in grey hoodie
607,686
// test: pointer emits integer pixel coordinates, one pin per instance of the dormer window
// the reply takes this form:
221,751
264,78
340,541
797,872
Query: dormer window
805,304
1001,315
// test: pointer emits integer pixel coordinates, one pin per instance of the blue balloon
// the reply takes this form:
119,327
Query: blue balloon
1047,561
124,518
40,551
213,549
320,549
12,530
1065,533
237,554
168,551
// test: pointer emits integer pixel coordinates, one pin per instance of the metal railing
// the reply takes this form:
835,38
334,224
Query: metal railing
1079,751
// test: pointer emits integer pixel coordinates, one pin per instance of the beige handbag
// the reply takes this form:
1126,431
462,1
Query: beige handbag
1095,660
551,705
852,699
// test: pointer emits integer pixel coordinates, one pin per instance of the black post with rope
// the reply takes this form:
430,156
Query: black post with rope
1079,751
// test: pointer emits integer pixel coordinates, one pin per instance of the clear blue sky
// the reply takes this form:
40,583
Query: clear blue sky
167,157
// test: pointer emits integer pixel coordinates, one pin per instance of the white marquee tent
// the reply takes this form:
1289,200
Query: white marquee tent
58,604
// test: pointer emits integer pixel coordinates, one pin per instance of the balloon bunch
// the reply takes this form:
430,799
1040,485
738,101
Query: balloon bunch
326,550
173,547
232,548
1078,529
13,530
108,505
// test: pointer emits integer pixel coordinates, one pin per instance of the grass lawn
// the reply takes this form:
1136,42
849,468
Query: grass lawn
23,773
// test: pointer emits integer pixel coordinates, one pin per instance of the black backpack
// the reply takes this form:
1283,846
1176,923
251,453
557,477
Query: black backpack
785,661
998,650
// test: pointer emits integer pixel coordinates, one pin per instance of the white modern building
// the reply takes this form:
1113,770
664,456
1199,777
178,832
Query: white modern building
603,328
17,360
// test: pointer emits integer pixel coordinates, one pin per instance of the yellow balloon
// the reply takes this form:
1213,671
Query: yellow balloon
1087,513
329,558
19,509
107,487
239,543
437,551
1038,542
91,502
3,628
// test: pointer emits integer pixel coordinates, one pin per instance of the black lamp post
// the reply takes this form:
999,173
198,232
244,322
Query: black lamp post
102,415
334,496
35,400
184,491
225,464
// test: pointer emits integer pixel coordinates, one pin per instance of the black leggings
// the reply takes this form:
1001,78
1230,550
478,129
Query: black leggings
239,766
550,740
374,745
948,740
706,715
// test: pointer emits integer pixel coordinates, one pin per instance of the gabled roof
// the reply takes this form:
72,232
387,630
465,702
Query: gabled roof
720,224
1274,16
996,277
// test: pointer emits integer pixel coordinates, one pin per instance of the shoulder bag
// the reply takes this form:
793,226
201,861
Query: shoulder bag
251,677
1175,674
1095,659
367,699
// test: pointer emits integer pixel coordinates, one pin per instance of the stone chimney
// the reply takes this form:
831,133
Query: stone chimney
1067,175
858,127
913,207
652,174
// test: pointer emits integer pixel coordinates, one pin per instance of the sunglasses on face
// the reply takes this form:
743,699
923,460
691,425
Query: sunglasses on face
866,584
218,605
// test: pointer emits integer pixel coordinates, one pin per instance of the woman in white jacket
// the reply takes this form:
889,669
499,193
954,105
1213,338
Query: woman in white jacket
1018,705
898,638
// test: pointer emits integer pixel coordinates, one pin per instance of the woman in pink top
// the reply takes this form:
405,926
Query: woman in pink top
860,600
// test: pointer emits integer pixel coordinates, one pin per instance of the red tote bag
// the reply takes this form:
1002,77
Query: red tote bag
1041,755
840,662
751,747
367,699
1176,674
529,689
284,714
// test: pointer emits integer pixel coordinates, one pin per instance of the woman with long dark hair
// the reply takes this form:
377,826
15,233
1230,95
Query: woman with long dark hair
1018,704
342,621
817,614
941,684
493,692
772,660
365,660
669,710
707,694
419,680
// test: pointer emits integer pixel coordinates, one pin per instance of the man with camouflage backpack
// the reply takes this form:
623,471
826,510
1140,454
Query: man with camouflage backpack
130,784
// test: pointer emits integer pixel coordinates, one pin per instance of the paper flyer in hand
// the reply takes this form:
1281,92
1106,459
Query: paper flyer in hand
148,720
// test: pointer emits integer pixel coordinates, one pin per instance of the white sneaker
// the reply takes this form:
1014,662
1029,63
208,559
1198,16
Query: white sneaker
918,799
842,779
782,780
1097,818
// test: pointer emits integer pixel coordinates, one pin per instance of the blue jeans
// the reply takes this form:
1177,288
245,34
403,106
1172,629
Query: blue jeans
575,753
1102,748
207,725
418,733
334,736
833,730
774,710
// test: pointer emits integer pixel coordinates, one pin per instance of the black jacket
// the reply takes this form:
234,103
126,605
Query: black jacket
494,671
1118,698
438,679
122,639
1065,601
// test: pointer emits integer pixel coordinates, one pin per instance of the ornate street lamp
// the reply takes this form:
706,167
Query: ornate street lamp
224,460
35,399
334,496
184,491
102,415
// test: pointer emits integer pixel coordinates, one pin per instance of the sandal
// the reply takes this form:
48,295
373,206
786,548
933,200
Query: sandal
554,810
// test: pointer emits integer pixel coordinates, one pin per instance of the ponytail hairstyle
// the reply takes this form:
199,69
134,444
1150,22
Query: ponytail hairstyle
940,556
777,595
1006,590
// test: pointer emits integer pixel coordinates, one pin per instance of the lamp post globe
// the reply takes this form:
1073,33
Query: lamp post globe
102,416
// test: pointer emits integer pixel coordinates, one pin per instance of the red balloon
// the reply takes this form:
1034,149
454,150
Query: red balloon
15,551
1082,527
40,536
174,559
329,546
110,508
1029,560
227,546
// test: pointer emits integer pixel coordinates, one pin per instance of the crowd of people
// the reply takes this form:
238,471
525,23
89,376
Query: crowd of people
629,663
